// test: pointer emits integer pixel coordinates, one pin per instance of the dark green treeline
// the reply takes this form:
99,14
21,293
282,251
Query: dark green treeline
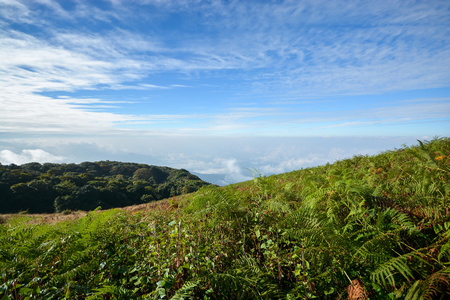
50,187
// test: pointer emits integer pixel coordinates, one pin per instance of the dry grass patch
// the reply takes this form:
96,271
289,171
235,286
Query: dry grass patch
166,204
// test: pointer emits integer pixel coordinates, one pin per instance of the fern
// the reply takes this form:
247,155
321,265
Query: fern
119,293
385,273
186,291
444,254
436,285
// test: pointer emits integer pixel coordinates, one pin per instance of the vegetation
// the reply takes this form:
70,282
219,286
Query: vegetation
47,188
373,227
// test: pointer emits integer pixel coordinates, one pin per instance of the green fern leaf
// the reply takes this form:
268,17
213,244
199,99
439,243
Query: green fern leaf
385,273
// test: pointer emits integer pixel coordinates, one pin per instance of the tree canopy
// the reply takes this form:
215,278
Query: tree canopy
50,187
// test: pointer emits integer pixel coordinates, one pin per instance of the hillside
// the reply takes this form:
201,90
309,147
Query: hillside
47,188
373,227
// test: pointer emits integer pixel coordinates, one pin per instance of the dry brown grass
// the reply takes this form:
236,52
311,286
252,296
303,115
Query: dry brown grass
166,204
46,218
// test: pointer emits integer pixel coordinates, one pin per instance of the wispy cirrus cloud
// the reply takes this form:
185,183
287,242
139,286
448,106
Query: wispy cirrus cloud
268,51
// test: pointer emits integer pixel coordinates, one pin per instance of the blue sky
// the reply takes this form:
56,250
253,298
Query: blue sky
217,87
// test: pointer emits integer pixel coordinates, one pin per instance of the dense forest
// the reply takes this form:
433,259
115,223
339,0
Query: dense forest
49,187
367,227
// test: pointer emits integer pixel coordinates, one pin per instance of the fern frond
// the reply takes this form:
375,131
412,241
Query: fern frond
277,205
245,280
116,291
435,285
186,291
385,273
414,292
445,252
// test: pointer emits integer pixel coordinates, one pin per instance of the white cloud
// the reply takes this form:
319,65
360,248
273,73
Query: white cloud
35,66
229,168
381,57
221,160
291,164
29,155
55,7
15,11
276,50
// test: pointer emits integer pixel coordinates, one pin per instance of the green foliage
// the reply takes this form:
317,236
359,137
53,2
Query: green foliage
52,188
370,227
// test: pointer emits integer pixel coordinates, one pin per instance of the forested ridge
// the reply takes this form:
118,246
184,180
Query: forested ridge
50,187
367,227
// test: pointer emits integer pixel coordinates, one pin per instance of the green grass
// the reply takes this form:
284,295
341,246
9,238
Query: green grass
377,222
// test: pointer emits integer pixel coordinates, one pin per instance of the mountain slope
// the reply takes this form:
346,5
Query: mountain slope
373,227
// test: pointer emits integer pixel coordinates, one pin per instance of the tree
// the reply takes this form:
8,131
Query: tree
21,195
42,196
84,198
42,188
142,174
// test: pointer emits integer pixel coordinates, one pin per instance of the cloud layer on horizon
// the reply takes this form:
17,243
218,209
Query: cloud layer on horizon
221,160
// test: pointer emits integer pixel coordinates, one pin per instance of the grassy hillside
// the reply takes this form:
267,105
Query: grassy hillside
373,227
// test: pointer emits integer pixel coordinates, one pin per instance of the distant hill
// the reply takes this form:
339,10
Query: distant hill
50,187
